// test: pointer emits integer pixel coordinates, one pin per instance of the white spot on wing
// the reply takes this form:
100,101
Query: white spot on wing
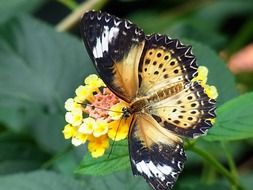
105,41
142,167
165,169
102,42
97,50
149,169
113,33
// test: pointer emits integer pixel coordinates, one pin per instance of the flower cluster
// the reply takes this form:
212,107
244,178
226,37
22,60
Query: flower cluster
211,91
94,116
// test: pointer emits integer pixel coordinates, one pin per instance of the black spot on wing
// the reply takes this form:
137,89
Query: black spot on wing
204,105
179,51
154,163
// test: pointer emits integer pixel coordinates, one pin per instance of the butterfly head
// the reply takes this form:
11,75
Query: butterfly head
126,112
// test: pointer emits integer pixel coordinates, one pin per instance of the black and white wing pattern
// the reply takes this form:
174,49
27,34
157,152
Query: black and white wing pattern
155,153
115,46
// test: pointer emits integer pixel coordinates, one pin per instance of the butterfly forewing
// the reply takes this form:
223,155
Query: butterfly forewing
115,46
164,62
155,153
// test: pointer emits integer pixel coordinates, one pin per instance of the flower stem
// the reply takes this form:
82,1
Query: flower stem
230,160
76,14
219,167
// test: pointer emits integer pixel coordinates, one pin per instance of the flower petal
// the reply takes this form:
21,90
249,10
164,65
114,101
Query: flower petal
71,105
211,91
202,75
75,117
93,81
97,146
69,131
87,126
84,93
76,142
98,152
118,130
101,128
116,110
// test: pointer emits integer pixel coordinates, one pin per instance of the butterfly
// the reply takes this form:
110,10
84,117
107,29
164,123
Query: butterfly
153,74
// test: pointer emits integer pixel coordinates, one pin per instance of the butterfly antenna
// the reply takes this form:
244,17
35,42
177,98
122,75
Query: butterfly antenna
113,142
104,109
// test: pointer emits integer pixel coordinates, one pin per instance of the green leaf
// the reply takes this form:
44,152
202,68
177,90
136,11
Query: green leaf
39,180
246,180
218,74
216,12
194,183
52,141
11,8
234,120
119,180
19,154
116,161
40,68
197,30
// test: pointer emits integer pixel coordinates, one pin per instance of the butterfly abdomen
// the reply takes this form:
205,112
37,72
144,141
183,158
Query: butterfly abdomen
165,93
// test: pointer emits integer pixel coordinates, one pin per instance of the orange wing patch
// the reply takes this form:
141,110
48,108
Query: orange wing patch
150,132
126,72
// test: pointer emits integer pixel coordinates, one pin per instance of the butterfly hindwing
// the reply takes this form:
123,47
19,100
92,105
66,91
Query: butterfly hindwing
155,153
188,113
115,46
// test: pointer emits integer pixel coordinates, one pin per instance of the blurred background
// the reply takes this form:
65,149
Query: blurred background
43,60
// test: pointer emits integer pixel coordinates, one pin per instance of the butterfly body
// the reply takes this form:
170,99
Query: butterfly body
154,75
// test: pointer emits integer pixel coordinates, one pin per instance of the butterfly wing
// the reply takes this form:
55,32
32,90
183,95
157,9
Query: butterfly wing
155,153
168,64
188,113
164,62
115,46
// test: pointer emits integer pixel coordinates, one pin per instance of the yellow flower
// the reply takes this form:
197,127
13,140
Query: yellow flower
93,81
212,120
97,146
202,75
211,91
69,131
101,128
75,117
71,105
84,93
116,110
118,130
87,126
79,139
99,124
